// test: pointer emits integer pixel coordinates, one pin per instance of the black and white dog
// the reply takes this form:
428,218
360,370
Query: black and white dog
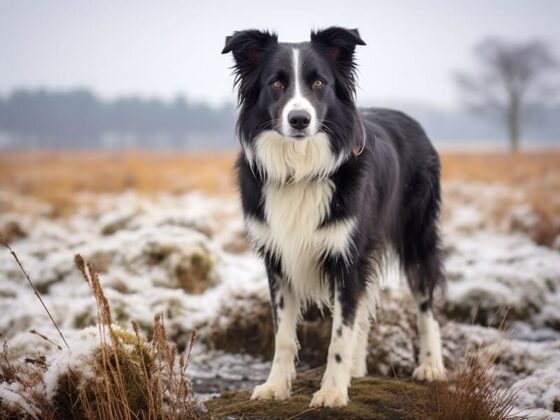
327,189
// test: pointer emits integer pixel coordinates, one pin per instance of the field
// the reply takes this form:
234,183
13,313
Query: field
66,180
166,235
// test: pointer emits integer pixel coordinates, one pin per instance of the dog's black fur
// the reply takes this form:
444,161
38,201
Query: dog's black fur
391,187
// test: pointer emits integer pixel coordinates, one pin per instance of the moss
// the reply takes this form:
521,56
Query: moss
194,272
130,363
249,329
7,294
120,314
44,287
84,319
370,398
77,395
67,401
12,230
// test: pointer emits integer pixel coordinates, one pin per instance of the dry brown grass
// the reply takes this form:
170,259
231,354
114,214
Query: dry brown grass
57,178
132,377
473,396
535,176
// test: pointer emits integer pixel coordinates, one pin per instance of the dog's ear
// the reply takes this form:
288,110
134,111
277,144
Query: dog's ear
338,45
247,46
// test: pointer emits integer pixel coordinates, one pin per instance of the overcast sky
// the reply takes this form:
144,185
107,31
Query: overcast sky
162,48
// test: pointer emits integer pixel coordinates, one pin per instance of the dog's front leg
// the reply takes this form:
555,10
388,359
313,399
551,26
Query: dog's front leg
286,312
336,379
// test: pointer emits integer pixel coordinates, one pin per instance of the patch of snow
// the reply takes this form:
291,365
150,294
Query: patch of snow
139,244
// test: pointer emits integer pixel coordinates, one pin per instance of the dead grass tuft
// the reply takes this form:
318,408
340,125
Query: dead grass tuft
473,396
128,376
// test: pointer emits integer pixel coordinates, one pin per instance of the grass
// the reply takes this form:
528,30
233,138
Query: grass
59,178
56,177
128,377
473,395
146,379
534,177
380,398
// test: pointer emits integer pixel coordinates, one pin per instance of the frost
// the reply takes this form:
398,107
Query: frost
187,256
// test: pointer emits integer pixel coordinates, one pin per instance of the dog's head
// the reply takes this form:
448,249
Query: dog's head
296,92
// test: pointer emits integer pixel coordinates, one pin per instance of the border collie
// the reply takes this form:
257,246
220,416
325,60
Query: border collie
327,190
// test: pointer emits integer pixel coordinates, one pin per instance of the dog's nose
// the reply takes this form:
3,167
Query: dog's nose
299,119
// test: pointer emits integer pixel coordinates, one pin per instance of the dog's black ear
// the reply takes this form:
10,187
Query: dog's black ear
247,46
338,44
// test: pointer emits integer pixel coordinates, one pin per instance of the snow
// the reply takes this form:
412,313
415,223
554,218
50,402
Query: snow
141,245
14,395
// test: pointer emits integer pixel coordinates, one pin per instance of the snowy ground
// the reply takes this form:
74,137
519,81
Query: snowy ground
186,256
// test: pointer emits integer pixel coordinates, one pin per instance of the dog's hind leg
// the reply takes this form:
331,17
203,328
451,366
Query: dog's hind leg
424,273
286,312
423,276
431,366
420,254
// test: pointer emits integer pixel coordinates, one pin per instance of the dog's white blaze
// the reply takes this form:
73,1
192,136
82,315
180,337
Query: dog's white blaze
291,232
431,361
298,101
283,159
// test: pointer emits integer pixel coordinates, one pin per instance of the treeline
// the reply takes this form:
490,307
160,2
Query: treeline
80,120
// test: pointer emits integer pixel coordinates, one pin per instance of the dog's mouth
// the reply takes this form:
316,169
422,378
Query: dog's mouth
299,134
296,134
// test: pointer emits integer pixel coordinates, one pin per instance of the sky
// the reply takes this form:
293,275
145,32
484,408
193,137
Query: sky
165,48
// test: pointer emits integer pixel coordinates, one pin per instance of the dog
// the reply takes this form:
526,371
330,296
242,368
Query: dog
327,190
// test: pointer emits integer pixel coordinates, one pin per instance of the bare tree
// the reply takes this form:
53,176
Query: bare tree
511,79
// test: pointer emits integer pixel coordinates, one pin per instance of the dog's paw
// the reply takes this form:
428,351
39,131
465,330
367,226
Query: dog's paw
277,390
430,370
329,397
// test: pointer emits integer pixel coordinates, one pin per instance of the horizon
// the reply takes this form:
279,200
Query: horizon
111,50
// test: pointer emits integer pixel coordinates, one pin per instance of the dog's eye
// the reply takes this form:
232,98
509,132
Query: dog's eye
277,84
318,84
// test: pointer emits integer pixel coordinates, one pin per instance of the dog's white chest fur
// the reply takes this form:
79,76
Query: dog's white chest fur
297,199
292,233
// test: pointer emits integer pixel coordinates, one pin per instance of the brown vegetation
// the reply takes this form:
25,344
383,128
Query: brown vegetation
63,180
57,177
472,396
533,177
128,376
